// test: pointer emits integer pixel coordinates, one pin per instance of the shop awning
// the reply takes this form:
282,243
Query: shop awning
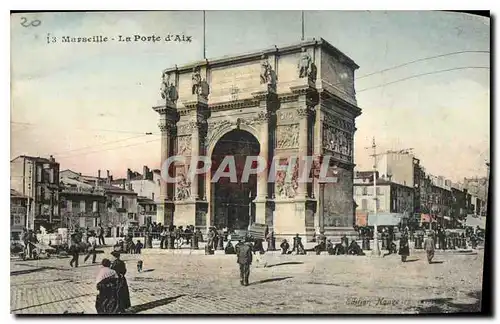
384,219
474,221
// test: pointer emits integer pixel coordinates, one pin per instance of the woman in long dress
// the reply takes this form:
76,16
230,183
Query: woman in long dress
107,284
123,292
404,247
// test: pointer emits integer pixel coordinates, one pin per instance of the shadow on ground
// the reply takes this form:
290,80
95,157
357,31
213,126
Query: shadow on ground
436,262
283,263
412,260
150,305
21,272
270,280
445,305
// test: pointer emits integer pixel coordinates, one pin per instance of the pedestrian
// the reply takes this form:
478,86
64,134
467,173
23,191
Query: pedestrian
297,245
244,259
138,247
345,243
284,247
107,285
91,249
123,293
163,239
404,247
100,235
73,251
429,247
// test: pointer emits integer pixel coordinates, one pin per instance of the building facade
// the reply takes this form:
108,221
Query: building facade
147,187
37,179
18,203
120,208
391,197
82,204
441,200
397,167
296,100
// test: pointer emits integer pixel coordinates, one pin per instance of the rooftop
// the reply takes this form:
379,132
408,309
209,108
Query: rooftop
16,194
290,48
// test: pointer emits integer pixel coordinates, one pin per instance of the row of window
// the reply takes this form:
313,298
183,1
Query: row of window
368,191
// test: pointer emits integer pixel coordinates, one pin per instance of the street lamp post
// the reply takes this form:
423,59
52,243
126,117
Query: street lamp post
376,250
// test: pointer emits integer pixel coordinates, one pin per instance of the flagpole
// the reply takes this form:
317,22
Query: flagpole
302,25
204,36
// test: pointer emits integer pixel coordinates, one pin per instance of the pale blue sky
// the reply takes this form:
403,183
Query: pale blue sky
69,90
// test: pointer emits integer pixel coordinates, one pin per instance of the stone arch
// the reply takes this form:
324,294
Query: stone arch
216,135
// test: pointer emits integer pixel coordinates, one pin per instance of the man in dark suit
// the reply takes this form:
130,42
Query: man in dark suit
244,255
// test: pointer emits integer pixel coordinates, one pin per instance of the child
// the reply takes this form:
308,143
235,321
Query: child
139,266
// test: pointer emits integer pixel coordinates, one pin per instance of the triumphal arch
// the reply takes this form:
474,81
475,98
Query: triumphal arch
297,100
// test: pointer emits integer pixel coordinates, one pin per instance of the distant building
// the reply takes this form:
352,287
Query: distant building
146,210
82,203
121,202
391,197
18,203
147,187
397,167
37,179
441,200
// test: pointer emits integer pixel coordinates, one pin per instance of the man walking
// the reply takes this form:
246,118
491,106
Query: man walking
244,255
429,247
91,249
100,234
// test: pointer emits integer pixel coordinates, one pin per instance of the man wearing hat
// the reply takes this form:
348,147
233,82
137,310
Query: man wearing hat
244,259
429,246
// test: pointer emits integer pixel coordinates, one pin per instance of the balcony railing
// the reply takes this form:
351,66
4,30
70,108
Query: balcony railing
81,190
83,214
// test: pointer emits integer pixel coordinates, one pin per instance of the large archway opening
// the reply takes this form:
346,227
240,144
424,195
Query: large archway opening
231,202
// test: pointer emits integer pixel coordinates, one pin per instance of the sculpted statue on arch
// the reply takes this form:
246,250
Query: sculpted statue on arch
168,90
306,67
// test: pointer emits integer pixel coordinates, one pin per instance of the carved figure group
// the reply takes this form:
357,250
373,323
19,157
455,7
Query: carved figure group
184,143
337,141
287,188
288,136
168,90
183,188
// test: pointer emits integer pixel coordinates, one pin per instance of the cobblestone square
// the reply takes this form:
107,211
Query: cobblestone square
194,284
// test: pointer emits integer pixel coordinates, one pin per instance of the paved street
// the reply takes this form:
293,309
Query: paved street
289,284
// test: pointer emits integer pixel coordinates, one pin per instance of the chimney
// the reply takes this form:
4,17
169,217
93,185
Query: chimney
108,178
51,159
98,178
123,184
145,172
129,174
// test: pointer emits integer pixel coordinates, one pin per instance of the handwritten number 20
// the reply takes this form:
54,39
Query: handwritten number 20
26,23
